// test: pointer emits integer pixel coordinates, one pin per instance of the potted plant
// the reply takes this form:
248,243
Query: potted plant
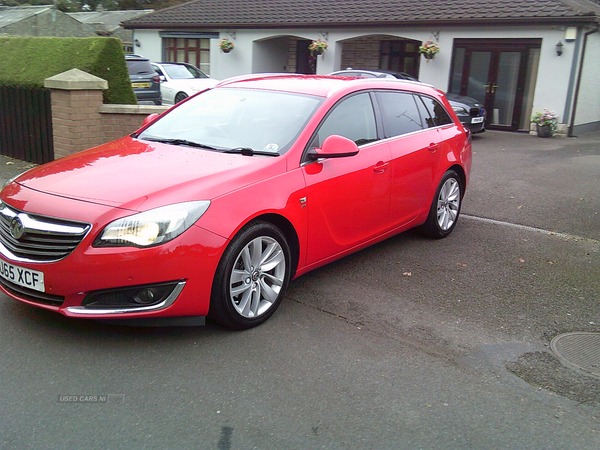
429,50
317,47
546,123
226,45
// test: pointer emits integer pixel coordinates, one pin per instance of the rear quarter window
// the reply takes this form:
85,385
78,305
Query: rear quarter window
438,115
400,114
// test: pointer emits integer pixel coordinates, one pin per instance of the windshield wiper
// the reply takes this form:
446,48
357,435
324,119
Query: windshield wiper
182,142
247,151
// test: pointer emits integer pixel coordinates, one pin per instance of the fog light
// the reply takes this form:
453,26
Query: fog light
146,296
136,296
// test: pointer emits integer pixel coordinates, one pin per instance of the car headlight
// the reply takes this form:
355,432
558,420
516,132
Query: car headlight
153,227
459,110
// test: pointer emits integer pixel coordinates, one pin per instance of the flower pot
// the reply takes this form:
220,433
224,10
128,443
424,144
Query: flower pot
226,50
544,131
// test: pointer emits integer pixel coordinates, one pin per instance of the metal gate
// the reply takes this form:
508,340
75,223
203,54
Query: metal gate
26,124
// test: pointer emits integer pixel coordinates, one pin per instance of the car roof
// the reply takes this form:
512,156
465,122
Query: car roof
136,57
321,85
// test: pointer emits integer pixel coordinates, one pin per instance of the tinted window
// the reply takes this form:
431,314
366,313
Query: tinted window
438,114
136,67
353,118
400,113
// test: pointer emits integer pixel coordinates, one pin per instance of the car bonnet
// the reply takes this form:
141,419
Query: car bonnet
129,173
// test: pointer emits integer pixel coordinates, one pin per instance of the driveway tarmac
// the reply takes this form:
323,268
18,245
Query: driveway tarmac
410,344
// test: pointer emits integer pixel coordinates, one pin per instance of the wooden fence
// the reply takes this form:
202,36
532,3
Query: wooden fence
26,124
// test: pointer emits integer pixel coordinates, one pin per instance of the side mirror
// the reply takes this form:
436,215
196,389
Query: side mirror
335,146
149,119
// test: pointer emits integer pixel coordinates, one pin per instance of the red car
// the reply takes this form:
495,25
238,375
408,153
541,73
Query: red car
213,207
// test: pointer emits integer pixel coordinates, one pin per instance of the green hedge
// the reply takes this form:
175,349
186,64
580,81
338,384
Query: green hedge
28,61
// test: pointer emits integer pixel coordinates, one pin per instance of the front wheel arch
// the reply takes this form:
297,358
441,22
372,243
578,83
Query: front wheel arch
251,277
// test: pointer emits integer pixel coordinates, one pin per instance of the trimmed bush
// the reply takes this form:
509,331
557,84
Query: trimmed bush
28,61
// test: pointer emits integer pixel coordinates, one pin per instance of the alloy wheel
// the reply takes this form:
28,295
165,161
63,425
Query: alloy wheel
257,277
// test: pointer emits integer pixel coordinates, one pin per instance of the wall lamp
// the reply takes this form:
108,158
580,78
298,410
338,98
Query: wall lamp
559,48
137,43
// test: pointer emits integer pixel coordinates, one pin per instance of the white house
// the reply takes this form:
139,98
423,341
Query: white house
515,56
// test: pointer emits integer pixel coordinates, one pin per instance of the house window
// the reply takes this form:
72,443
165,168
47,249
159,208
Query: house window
190,50
400,56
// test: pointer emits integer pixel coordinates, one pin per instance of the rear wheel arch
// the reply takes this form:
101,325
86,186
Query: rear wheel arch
180,96
463,177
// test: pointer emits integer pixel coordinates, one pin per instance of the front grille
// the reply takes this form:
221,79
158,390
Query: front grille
33,238
474,112
31,295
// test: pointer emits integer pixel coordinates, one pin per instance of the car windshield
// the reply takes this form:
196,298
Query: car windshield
179,71
266,122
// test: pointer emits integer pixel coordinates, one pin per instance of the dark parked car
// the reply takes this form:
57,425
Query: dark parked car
144,80
469,111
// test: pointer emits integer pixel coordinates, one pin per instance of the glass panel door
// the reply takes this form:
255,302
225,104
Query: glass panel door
500,74
479,74
504,88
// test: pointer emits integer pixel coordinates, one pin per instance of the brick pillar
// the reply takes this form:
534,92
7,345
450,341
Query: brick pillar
76,98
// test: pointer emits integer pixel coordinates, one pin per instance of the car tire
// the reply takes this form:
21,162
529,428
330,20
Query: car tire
180,96
445,207
251,277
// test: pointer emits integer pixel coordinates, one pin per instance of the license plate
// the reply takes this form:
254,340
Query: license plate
477,120
140,85
28,278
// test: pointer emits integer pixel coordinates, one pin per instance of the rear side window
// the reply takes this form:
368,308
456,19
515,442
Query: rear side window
352,118
436,113
400,113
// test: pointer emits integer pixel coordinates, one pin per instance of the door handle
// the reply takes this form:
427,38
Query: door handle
380,167
433,147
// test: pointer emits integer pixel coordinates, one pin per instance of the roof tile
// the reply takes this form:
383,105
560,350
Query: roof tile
285,13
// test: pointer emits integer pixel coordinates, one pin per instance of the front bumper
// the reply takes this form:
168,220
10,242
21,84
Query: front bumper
187,263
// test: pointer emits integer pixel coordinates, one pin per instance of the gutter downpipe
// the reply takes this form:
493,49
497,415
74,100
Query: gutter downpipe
578,85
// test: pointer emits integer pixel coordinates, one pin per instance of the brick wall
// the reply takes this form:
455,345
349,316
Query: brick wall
80,120
362,53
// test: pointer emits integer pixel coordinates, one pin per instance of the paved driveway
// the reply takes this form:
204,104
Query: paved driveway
552,184
412,343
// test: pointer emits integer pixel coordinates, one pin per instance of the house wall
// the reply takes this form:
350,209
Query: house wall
49,23
265,51
150,44
587,115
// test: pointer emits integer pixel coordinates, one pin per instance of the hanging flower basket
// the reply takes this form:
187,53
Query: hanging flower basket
226,45
317,47
429,49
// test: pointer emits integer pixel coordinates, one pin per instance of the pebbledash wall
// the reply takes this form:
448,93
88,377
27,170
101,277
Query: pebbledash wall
80,120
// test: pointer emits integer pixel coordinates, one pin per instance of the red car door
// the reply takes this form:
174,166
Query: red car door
347,198
415,145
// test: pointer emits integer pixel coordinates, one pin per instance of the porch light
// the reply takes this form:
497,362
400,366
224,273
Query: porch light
559,48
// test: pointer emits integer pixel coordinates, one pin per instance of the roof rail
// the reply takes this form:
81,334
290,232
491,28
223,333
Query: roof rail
259,76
